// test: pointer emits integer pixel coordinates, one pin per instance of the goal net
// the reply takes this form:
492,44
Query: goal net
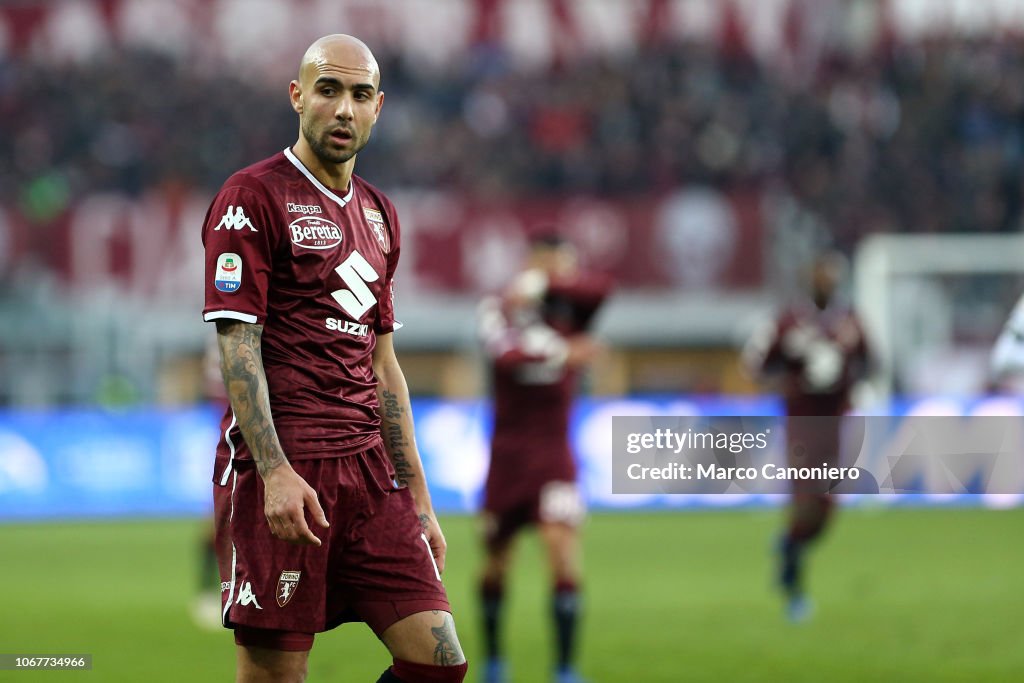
933,306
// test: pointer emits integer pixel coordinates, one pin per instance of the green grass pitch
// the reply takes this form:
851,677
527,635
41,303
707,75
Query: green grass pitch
902,595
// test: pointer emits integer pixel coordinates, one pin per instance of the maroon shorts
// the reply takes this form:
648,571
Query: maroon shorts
813,442
555,502
374,566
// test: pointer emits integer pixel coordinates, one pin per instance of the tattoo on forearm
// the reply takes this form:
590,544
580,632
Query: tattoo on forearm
241,364
447,652
392,411
395,438
424,521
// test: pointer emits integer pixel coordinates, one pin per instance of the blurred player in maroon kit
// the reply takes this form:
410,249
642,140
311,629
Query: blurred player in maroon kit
813,356
206,606
300,258
536,339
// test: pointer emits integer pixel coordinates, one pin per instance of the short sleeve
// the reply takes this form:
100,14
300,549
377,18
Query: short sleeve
385,322
239,256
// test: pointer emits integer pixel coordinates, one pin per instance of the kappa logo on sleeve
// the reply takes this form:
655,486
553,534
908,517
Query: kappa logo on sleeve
235,219
228,277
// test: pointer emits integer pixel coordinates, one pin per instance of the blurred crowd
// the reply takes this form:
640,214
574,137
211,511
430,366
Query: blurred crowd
925,138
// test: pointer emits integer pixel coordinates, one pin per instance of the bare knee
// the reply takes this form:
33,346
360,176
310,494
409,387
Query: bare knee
562,543
262,665
496,563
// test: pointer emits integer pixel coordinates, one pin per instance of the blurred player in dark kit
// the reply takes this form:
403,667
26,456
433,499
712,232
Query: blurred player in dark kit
322,510
812,355
206,606
535,337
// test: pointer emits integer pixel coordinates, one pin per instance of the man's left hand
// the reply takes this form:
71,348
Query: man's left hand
435,538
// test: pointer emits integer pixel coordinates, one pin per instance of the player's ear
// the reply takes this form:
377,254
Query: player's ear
380,103
295,95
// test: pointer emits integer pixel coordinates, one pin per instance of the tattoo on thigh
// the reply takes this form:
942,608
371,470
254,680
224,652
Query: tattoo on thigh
447,652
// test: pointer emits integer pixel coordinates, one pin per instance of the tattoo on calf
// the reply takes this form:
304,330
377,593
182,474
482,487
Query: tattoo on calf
447,652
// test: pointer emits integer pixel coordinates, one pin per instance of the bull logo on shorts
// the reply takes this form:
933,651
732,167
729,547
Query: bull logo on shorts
286,586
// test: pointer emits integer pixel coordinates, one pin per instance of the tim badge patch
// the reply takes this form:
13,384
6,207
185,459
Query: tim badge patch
286,586
376,220
228,277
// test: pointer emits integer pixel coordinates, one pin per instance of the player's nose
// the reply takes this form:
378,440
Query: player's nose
345,110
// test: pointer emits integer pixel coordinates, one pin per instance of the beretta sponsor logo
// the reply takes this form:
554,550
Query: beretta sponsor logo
314,233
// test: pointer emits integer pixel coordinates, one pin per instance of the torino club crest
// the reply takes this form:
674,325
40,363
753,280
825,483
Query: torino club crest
286,586
376,220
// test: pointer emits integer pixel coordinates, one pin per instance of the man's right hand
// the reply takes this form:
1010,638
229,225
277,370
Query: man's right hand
286,496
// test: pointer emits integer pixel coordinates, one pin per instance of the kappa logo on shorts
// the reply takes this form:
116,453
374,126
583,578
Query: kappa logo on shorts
246,597
225,585
286,586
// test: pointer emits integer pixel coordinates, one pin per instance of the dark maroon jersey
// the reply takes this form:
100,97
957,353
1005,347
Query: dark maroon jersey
821,355
315,268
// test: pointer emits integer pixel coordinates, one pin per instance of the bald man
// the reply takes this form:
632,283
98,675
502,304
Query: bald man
322,509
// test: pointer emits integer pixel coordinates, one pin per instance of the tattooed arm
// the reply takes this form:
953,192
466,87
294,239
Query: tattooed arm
396,428
286,494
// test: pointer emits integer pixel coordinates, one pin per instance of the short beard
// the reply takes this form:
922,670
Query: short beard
322,151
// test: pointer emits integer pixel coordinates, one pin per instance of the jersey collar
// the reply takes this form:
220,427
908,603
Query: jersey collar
340,201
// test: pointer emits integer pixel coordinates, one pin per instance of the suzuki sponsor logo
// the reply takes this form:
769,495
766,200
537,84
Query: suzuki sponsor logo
348,327
314,233
303,208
